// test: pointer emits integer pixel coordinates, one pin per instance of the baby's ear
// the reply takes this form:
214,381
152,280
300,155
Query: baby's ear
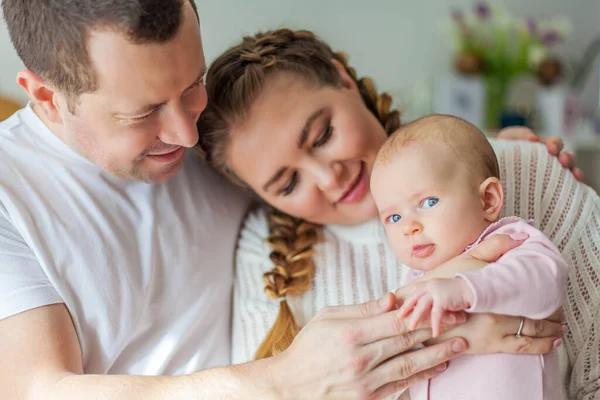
492,198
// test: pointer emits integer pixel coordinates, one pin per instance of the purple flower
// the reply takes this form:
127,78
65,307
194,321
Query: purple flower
482,10
550,37
531,26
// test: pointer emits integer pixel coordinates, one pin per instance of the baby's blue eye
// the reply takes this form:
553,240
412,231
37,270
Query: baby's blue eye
430,202
394,218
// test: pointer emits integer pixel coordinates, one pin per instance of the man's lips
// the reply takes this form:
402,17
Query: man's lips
167,156
162,152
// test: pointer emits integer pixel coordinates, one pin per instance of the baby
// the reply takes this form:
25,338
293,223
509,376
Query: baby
436,185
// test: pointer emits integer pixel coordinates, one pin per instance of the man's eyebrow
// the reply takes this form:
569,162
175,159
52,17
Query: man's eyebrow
149,107
305,131
274,178
198,80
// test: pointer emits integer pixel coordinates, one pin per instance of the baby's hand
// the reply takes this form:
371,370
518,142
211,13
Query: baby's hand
437,297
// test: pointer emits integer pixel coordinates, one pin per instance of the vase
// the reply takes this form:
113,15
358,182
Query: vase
496,95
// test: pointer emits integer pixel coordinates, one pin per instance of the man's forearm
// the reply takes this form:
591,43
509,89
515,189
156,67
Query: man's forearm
250,380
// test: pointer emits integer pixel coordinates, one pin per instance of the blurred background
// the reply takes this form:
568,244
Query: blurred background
495,63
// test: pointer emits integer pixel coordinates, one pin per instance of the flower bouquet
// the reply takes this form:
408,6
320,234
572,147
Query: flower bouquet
491,42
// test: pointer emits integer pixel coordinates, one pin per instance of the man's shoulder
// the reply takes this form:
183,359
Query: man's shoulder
15,139
12,123
18,133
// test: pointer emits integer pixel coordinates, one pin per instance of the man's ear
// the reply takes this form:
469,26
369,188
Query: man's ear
492,198
346,80
41,94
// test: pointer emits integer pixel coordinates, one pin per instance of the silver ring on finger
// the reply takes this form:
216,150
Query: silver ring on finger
518,335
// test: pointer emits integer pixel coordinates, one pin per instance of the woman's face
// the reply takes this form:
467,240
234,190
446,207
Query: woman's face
309,150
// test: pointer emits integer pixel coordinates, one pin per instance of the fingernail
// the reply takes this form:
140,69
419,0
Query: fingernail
458,347
449,319
556,343
441,368
519,236
564,329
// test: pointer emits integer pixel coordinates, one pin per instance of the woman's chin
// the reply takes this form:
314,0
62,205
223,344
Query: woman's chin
353,214
338,214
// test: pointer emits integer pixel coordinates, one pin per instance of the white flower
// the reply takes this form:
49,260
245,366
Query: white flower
563,26
537,54
501,18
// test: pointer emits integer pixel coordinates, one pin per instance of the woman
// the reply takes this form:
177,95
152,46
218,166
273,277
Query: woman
286,99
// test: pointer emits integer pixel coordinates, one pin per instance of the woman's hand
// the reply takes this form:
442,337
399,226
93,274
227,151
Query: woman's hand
360,352
554,145
490,333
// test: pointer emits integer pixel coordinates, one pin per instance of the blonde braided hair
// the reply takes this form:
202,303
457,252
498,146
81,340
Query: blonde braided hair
233,81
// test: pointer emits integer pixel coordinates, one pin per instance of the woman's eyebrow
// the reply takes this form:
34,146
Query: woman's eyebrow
305,131
274,178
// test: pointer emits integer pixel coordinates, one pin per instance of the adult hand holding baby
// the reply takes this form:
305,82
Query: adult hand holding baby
491,333
361,351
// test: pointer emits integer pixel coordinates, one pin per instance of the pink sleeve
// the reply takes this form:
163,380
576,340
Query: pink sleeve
412,276
528,281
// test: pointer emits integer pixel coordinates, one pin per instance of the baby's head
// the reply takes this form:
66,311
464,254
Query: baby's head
436,185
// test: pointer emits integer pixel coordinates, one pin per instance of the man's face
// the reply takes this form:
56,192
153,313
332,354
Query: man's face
143,114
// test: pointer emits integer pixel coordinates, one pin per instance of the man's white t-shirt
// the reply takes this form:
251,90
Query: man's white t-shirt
145,270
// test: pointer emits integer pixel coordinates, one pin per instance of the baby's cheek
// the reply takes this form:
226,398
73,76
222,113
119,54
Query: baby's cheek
398,245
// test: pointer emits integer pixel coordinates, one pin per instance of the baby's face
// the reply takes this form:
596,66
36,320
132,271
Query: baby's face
429,204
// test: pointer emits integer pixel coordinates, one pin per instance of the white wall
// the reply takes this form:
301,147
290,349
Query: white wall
9,65
400,43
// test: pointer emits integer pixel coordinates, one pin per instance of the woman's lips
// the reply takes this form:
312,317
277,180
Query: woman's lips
357,189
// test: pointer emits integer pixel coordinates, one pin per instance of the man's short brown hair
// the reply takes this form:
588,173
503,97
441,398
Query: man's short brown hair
50,36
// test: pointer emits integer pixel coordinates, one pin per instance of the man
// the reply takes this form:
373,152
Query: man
116,244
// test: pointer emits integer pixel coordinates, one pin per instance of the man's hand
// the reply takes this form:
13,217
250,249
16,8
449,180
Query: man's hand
436,298
359,352
554,145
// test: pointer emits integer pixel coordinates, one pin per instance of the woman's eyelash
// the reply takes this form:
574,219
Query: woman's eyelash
325,136
289,188
322,140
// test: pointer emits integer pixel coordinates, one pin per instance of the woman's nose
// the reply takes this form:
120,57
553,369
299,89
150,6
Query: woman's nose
328,176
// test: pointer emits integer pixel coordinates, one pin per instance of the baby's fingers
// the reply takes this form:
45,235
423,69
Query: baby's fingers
409,304
437,315
422,308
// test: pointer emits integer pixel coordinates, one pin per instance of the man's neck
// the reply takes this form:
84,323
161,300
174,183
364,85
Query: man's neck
56,129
